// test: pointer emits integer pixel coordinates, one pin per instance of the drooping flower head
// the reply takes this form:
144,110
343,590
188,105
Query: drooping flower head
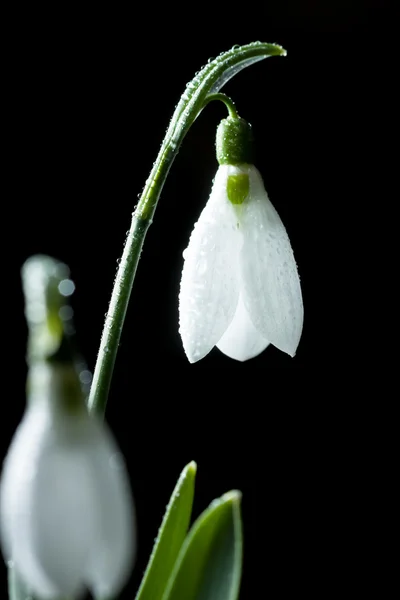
240,289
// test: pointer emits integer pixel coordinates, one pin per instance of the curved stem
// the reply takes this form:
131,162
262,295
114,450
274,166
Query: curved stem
229,103
141,221
208,82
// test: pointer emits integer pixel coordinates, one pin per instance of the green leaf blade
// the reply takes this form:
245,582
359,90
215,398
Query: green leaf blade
16,588
170,537
210,562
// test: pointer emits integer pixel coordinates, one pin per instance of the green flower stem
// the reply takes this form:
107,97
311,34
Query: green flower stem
229,103
196,95
116,315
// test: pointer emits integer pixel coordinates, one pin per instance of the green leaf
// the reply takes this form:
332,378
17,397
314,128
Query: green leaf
170,537
210,563
17,590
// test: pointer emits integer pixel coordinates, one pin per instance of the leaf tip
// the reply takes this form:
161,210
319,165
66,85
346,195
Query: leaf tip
191,468
234,496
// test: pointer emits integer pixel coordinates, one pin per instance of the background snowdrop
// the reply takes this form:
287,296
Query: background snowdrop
66,510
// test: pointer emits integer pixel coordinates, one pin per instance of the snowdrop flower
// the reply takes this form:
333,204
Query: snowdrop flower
66,510
240,289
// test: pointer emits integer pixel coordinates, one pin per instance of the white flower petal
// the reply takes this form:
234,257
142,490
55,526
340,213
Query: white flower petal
241,340
52,524
271,286
113,550
210,278
16,499
65,509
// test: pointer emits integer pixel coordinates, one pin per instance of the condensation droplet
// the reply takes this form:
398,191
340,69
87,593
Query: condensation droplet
85,376
66,287
66,313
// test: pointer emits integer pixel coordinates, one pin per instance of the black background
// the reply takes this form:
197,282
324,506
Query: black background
88,97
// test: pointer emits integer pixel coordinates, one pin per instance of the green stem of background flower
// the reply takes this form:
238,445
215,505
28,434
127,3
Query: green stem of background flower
197,94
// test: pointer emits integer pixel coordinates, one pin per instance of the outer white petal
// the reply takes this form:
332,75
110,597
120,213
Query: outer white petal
113,550
271,285
210,278
16,499
65,508
241,340
49,500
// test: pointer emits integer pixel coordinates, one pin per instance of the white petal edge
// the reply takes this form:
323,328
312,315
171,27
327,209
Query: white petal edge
113,551
241,341
271,285
209,289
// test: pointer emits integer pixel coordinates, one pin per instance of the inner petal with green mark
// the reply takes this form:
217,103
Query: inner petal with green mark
237,188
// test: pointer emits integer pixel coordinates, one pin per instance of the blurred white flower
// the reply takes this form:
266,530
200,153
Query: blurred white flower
66,511
240,290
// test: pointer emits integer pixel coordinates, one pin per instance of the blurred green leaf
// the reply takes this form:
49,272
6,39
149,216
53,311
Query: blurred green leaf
170,537
209,565
17,590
